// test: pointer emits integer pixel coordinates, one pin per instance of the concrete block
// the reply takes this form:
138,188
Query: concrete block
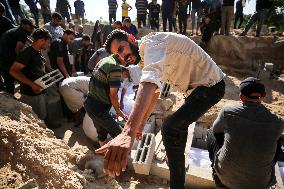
144,154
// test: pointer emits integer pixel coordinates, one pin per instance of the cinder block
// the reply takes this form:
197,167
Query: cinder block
144,154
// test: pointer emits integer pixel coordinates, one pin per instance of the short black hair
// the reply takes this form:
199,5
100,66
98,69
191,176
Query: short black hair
117,34
127,20
86,38
41,33
69,32
2,8
56,15
118,23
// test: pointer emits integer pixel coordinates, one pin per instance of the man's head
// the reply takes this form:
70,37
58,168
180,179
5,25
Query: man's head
127,22
123,1
2,9
120,42
27,25
71,26
86,40
252,90
56,19
68,36
117,25
154,1
42,38
207,19
80,29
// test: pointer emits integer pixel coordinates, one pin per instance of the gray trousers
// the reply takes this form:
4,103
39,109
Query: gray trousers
38,104
226,19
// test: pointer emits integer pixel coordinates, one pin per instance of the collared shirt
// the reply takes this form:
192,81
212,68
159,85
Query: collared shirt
251,133
55,31
174,58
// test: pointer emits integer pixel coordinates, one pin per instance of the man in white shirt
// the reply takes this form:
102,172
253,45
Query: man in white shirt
180,61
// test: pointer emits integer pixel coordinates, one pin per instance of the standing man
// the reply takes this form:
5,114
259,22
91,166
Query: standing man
54,26
243,142
104,85
5,23
11,44
80,10
182,15
107,29
16,10
45,10
33,8
239,15
112,7
125,9
227,15
168,9
62,6
28,67
58,54
262,9
154,15
141,6
196,9
179,60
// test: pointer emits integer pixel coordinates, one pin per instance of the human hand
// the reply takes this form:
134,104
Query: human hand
116,154
36,88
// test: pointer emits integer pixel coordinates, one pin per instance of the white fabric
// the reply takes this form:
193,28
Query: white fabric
135,72
176,59
73,91
89,128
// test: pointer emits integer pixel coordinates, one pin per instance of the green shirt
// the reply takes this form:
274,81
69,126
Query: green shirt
106,75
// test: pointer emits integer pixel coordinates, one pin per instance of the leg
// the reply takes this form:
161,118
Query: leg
38,104
9,82
230,13
236,20
139,20
174,130
251,21
171,22
114,17
223,20
144,20
193,20
261,20
241,20
180,23
184,24
164,18
110,18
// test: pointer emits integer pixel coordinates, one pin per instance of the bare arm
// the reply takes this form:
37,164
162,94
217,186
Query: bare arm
123,92
16,72
19,47
115,103
62,67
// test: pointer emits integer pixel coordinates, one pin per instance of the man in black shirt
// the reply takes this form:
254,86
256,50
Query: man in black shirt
11,43
28,67
58,54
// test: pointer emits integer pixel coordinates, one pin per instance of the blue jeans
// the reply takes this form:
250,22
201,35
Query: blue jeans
175,128
167,16
193,12
259,16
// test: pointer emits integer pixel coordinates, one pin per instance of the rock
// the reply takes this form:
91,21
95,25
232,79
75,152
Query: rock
97,166
166,104
30,184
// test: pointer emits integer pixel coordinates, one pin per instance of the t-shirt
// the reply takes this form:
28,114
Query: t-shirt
106,75
14,3
5,24
8,44
62,5
58,48
154,10
141,6
125,6
45,6
79,8
251,133
112,6
55,31
75,46
34,67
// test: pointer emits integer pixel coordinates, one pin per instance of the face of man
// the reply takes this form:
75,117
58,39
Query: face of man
80,29
128,24
45,43
117,26
123,51
85,43
56,22
130,59
28,28
68,38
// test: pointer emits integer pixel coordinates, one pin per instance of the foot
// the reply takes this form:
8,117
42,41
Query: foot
242,34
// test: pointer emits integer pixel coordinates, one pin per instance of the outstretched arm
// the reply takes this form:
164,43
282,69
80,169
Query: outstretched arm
117,150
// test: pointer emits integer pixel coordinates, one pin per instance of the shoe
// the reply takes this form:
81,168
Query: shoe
243,34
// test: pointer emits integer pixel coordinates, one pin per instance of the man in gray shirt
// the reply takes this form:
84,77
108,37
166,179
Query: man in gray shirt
243,143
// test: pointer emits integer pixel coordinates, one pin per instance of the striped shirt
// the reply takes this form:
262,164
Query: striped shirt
141,6
106,75
112,6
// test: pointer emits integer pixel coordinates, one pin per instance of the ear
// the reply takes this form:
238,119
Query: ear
242,97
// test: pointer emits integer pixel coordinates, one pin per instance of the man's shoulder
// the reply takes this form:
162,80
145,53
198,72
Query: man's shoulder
109,64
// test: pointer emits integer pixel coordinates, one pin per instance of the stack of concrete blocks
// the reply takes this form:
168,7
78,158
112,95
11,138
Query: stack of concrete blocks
144,154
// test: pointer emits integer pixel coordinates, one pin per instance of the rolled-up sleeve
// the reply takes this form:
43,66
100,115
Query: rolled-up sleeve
153,57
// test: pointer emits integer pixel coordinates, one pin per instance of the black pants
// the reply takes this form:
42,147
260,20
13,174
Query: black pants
167,16
141,19
112,17
101,118
238,16
154,23
182,23
9,82
175,128
46,17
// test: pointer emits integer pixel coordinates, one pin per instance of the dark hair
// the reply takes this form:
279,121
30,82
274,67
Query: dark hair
41,33
118,23
86,38
56,15
2,8
117,34
69,32
127,20
135,52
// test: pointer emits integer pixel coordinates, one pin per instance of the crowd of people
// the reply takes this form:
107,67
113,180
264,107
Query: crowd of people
112,56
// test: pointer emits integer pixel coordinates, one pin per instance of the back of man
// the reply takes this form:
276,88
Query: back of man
246,160
79,8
